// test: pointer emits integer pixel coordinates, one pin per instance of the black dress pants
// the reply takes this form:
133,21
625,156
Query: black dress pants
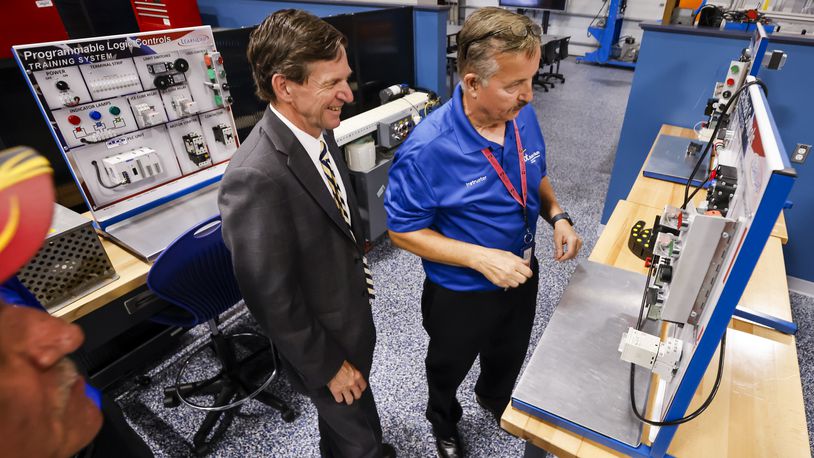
462,325
348,431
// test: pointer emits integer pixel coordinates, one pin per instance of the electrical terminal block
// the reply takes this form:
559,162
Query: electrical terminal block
99,136
667,361
184,106
148,114
664,244
196,149
672,218
639,348
114,82
648,351
223,134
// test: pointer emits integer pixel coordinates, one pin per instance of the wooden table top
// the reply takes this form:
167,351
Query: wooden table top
658,193
759,409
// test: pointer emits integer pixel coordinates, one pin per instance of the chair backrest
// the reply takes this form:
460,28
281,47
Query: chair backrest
564,48
195,273
549,54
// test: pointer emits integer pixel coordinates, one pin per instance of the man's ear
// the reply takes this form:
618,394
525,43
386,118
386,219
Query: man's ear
471,84
280,85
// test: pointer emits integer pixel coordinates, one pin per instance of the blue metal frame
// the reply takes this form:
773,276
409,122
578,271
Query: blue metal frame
761,39
778,324
607,36
765,217
672,179
642,450
777,190
774,198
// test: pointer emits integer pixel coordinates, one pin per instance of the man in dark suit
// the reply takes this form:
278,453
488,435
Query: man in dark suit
291,222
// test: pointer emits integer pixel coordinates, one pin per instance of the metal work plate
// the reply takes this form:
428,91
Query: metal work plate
575,372
669,161
147,235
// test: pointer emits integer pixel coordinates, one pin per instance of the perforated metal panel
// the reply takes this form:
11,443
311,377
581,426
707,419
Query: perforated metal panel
70,264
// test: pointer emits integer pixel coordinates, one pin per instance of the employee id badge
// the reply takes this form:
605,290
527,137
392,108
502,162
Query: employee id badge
528,246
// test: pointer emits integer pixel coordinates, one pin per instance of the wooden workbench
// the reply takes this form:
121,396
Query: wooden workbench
759,409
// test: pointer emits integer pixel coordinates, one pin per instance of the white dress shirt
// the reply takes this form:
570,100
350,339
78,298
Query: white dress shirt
313,146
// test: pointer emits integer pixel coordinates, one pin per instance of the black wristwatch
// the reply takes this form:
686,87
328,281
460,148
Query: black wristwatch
560,216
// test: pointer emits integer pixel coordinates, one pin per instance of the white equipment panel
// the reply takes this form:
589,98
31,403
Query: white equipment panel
135,113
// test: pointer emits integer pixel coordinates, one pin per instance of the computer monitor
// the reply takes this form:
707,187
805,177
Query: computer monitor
380,52
553,5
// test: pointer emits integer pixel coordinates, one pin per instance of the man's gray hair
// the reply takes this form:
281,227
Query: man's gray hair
491,31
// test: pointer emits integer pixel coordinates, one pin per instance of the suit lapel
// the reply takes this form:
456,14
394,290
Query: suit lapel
303,168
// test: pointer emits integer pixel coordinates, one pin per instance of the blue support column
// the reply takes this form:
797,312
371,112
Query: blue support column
430,52
607,36
786,327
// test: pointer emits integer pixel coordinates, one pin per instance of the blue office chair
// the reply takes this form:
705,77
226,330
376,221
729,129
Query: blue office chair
195,275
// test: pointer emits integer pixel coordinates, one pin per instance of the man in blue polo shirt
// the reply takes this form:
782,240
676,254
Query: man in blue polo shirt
465,191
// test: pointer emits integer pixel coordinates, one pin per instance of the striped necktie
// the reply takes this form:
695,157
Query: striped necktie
325,161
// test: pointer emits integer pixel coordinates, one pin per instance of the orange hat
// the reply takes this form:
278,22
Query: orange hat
26,207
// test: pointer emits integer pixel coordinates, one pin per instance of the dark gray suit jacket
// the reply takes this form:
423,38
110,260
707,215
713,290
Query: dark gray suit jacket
299,269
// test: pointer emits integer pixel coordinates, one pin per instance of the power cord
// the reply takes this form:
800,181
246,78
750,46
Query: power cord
99,177
714,135
698,411
707,402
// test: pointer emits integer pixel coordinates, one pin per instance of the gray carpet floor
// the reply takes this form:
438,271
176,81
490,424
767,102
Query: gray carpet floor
581,120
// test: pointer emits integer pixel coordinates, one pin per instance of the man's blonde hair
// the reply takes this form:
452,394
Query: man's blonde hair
491,31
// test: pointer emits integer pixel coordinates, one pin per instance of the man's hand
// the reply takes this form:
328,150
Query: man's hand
566,241
348,384
502,268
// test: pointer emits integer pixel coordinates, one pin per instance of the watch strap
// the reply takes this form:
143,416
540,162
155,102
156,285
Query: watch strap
559,216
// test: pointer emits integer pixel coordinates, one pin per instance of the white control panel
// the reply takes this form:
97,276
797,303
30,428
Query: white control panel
134,112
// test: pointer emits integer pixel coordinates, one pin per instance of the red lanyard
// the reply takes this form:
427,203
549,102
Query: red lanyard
502,174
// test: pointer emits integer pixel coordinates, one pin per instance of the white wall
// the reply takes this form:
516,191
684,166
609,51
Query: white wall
575,20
